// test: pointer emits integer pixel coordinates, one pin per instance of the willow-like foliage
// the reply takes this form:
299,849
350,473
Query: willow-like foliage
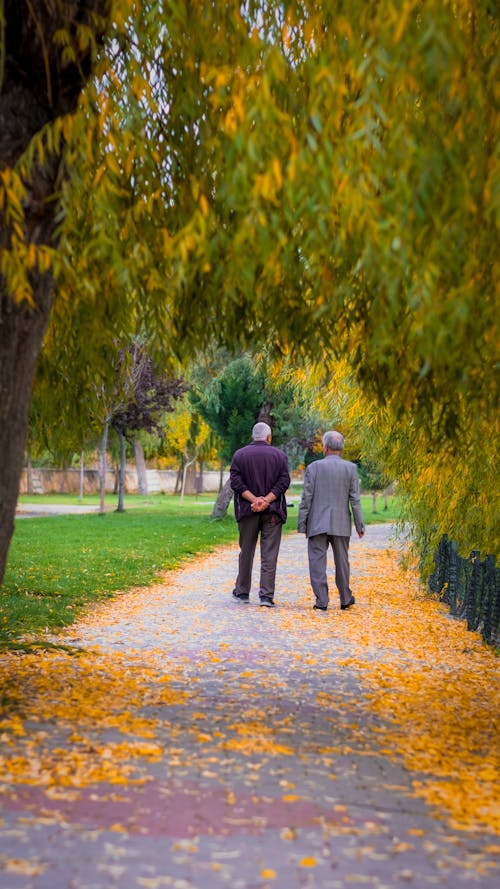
318,177
324,179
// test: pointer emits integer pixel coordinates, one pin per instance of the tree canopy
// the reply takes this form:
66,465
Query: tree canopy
250,388
231,403
322,178
327,173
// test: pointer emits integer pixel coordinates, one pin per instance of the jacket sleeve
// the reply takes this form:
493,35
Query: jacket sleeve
305,501
235,477
355,500
283,481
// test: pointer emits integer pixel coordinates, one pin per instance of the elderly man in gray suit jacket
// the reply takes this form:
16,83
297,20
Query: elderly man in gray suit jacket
331,492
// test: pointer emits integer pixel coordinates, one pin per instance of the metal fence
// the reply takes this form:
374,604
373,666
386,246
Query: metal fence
470,587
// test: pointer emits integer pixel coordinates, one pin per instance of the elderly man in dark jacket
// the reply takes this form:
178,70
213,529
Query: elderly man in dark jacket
259,479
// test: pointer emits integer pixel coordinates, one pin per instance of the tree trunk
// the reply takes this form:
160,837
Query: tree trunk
388,492
140,465
189,477
179,478
38,84
21,333
102,466
29,477
121,474
63,478
199,480
265,414
223,500
82,475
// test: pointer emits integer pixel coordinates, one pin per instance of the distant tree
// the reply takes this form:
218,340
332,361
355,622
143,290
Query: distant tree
189,438
145,396
231,404
375,479
249,389
292,412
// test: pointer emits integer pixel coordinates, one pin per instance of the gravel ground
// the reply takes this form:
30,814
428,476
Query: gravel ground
266,780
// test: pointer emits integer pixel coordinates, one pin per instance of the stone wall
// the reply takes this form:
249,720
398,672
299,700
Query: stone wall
67,481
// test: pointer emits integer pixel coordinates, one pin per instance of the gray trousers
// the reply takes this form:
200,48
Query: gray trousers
269,527
317,548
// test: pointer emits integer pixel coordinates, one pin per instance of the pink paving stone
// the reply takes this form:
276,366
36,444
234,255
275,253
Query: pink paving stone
185,812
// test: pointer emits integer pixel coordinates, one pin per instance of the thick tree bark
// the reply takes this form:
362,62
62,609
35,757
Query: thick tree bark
189,482
21,334
140,465
188,476
223,500
37,85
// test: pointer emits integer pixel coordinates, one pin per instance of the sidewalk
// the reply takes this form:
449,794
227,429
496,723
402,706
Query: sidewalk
37,510
203,743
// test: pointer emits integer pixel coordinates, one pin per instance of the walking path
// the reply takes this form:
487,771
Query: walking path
36,510
201,743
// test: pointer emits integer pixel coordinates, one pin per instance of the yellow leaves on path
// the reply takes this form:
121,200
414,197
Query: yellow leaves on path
79,695
255,737
308,861
24,867
420,690
436,687
257,745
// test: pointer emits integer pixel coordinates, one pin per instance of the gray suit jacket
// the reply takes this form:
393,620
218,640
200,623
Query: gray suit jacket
331,486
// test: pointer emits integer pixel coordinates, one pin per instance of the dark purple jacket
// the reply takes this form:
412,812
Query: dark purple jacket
259,468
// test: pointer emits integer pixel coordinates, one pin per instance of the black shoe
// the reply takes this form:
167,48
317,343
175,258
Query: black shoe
265,600
348,604
320,607
240,598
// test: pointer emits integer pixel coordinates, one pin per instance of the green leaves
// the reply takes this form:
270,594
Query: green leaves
296,176
324,181
231,402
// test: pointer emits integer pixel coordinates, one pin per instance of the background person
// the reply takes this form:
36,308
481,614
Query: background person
259,479
330,493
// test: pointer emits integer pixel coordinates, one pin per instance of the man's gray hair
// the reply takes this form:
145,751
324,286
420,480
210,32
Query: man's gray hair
333,440
260,431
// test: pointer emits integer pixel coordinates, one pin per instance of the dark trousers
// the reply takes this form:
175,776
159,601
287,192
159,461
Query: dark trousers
317,547
269,528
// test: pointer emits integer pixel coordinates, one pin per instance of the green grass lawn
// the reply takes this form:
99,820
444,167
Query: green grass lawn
59,565
163,502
